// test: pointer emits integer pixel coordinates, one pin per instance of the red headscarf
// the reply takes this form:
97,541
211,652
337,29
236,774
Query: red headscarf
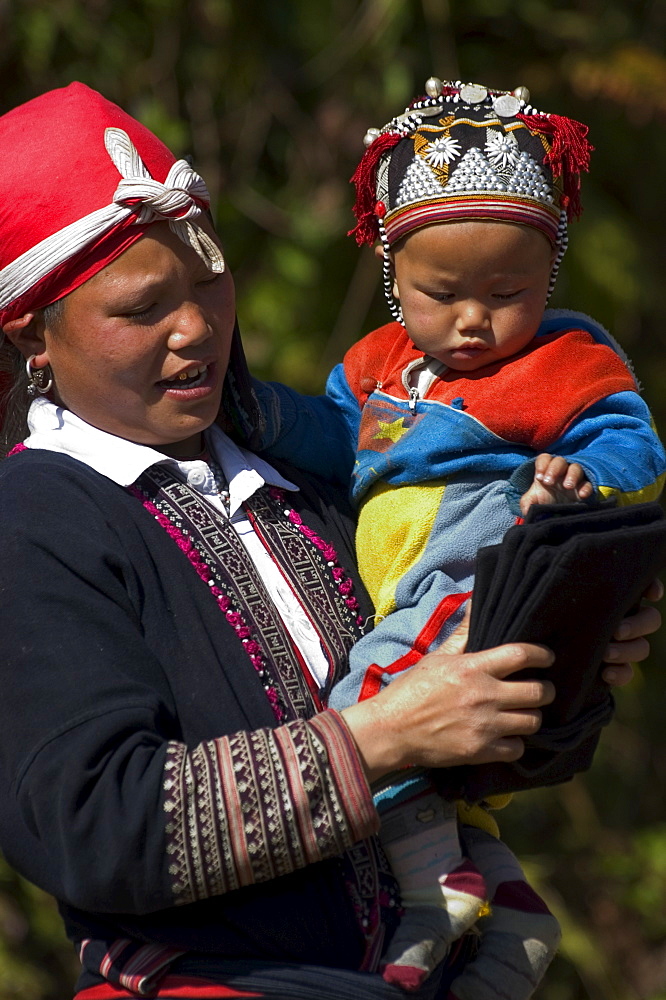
81,181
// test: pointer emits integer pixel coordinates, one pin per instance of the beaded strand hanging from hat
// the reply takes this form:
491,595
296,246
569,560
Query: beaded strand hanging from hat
465,152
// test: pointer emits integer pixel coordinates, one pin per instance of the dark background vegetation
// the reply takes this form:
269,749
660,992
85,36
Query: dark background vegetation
272,99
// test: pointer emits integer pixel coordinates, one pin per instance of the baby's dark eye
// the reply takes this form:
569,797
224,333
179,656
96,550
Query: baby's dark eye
506,295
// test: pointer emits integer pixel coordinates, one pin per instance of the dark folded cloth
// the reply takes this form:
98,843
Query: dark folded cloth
565,578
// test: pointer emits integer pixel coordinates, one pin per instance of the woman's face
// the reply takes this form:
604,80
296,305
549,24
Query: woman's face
141,349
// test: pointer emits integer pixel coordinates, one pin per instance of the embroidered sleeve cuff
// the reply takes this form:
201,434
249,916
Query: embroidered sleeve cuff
347,771
253,806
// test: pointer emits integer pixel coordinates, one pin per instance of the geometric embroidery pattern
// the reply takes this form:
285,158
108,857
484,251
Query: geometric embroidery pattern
236,576
253,806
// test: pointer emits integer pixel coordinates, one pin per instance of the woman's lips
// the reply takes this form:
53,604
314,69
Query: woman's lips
198,381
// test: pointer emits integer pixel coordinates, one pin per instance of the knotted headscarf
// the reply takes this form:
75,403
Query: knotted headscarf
81,182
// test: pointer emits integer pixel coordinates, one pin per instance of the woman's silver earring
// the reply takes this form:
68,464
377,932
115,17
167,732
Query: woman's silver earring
40,380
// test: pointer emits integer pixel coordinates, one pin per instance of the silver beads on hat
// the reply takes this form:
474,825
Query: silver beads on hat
504,105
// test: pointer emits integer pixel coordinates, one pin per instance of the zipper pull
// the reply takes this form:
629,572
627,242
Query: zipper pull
413,398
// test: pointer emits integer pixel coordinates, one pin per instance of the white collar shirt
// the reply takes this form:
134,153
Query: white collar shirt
54,428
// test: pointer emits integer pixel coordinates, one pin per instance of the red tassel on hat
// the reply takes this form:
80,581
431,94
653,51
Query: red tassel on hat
365,179
568,156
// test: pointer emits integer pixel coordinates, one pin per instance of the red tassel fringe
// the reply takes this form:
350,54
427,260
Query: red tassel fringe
569,154
365,178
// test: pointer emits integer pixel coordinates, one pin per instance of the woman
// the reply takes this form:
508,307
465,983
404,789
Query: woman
175,610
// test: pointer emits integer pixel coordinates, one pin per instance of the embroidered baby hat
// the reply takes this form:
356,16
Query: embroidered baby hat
81,181
465,152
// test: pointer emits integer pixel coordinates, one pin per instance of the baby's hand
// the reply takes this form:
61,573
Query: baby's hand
556,481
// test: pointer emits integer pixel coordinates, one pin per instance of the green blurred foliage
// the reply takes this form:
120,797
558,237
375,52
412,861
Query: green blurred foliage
272,100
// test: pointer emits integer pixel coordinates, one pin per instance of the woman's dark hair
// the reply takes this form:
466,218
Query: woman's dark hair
14,399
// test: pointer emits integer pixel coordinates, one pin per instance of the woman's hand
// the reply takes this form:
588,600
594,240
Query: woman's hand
459,708
452,708
631,645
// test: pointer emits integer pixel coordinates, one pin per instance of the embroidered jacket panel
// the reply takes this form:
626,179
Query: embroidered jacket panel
149,770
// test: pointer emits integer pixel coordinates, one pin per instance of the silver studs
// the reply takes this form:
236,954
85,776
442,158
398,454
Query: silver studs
370,136
506,105
522,93
473,93
434,86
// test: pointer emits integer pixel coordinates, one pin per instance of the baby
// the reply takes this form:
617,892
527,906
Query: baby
451,421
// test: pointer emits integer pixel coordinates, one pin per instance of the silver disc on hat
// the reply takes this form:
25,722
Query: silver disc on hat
433,109
522,93
370,136
433,86
473,93
506,105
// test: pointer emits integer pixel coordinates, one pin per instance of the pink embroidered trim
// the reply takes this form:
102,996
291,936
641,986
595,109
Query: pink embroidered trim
16,449
235,619
344,583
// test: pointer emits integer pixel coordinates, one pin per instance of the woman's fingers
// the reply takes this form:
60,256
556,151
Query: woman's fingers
630,645
453,709
457,641
514,695
523,723
632,651
504,749
502,661
618,675
644,622
655,591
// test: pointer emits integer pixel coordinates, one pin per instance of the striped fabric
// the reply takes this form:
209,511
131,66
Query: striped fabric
451,208
131,968
273,981
254,806
240,810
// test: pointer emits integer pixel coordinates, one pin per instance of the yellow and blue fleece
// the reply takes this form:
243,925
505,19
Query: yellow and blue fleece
438,460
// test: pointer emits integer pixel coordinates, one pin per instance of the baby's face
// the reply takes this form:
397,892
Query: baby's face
472,292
